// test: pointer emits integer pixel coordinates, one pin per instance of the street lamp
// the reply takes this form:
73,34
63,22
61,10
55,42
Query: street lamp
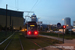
50,24
62,21
67,25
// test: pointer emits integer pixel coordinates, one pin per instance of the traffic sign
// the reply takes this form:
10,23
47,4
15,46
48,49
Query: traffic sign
58,25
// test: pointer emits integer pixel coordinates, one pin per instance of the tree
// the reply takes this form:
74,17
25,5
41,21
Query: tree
72,32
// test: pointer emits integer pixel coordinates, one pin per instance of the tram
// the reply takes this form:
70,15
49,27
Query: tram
32,30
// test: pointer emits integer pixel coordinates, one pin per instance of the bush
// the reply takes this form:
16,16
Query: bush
66,31
72,32
1,27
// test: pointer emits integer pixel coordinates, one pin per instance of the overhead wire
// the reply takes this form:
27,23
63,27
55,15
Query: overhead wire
33,6
16,5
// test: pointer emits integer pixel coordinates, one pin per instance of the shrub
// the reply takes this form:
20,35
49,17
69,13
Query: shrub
66,31
1,27
72,32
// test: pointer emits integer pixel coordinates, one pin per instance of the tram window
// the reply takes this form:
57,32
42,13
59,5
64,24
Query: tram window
28,28
32,27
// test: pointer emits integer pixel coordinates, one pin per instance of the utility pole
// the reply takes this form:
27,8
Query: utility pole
10,20
12,26
6,20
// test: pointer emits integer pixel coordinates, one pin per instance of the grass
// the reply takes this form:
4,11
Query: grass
15,44
27,44
42,41
3,36
66,36
4,44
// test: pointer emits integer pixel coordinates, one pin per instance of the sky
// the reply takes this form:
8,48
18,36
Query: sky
48,11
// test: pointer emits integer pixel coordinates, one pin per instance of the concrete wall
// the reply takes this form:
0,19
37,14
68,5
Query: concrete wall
17,21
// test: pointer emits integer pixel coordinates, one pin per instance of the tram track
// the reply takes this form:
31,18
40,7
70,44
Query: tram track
14,43
9,42
45,42
37,45
21,44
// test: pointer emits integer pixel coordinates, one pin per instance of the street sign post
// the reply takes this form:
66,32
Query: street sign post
63,32
58,26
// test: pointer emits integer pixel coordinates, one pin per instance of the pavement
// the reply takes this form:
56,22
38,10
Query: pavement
67,45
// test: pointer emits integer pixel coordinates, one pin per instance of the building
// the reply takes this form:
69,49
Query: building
15,17
61,30
67,22
54,25
44,27
74,24
39,23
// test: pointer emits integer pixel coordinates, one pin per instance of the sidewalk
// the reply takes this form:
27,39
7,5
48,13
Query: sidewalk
67,43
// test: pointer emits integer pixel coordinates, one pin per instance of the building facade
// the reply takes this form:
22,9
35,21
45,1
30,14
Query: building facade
73,24
14,17
67,22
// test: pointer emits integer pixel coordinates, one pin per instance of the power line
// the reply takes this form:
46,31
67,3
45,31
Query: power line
34,5
31,9
16,4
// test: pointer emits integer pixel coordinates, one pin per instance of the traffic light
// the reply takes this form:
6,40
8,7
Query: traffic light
64,26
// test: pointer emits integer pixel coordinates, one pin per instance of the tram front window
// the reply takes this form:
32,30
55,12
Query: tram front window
32,27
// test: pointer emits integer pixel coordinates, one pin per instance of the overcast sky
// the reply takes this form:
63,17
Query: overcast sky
49,11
